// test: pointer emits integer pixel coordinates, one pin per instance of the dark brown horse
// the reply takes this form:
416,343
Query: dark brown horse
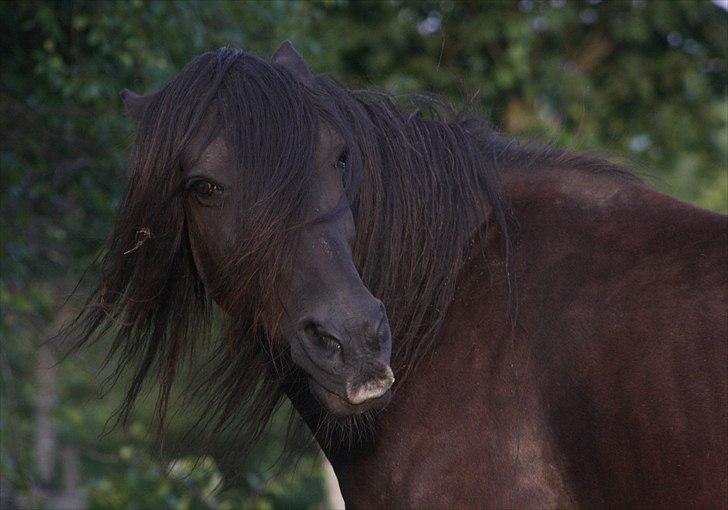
557,330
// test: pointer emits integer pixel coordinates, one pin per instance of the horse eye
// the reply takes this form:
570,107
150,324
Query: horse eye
341,162
204,189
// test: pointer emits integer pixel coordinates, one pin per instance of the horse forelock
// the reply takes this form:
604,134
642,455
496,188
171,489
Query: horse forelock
151,299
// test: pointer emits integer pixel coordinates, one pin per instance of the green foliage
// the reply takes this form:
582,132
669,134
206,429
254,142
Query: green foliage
191,483
642,79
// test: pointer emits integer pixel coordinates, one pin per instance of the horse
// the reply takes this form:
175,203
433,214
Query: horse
461,320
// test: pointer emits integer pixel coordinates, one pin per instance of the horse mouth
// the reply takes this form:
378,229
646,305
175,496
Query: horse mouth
340,407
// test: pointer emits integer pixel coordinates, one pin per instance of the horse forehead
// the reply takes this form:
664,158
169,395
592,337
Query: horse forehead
206,151
328,136
215,152
209,146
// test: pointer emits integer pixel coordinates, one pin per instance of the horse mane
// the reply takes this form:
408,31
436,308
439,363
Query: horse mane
422,183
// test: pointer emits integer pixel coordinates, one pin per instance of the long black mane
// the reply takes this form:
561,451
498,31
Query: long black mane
423,181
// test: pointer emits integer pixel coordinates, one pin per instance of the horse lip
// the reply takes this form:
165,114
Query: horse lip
359,399
341,407
370,389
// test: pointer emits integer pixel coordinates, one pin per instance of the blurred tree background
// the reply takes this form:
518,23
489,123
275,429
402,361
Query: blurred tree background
644,79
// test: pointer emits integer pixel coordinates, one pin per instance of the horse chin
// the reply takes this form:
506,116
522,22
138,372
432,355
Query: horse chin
339,407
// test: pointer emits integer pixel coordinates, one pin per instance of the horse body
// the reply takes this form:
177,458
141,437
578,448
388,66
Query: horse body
558,330
612,389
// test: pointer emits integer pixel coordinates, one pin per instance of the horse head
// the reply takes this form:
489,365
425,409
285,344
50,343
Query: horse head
270,228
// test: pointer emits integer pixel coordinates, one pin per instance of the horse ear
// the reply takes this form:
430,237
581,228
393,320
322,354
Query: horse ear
134,104
287,56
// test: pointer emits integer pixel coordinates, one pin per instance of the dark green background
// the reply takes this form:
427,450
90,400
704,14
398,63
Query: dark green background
642,81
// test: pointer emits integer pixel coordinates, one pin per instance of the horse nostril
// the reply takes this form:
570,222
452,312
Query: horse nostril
321,338
330,343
